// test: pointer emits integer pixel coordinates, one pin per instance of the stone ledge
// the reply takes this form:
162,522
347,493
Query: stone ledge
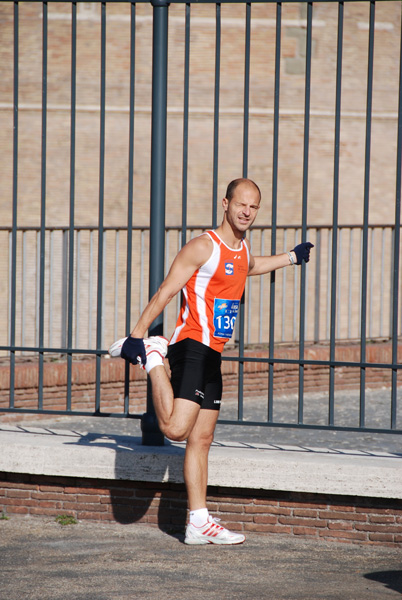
40,451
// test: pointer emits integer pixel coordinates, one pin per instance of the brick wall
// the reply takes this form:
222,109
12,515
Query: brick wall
343,519
255,380
202,77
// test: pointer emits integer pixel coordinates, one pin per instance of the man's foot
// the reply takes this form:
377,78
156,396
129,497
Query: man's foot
156,348
211,533
115,348
155,343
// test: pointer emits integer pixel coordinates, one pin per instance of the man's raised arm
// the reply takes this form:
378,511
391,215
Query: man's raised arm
189,259
259,265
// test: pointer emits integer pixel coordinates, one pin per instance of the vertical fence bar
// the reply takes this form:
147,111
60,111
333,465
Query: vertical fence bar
246,102
90,286
37,286
338,286
130,201
335,211
274,214
116,284
64,286
328,290
99,313
104,248
317,294
185,126
351,243
360,279
43,206
23,286
363,314
284,294
250,290
216,116
13,281
78,290
302,315
151,434
51,284
178,248
396,253
71,248
166,268
261,296
382,267
10,275
295,278
371,277
400,322
183,237
142,260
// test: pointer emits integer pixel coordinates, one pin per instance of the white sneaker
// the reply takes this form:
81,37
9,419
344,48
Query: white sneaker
115,348
155,343
211,533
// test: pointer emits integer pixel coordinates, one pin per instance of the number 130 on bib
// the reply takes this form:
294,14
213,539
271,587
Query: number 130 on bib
225,313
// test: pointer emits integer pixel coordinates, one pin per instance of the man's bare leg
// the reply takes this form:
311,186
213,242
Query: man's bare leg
176,416
181,419
196,458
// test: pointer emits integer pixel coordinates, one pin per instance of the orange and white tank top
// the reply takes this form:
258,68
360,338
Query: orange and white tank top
211,297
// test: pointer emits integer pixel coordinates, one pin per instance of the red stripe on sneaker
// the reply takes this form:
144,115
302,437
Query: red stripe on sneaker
213,531
206,532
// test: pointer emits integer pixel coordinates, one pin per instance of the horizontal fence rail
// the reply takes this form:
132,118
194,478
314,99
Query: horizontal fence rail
175,100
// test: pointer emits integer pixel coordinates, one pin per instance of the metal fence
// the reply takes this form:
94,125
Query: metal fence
70,287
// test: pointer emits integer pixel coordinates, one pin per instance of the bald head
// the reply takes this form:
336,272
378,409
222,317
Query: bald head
231,189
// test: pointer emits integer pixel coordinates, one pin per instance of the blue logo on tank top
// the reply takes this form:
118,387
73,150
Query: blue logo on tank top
229,270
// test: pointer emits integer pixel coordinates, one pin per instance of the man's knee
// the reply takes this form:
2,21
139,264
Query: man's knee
176,433
202,441
179,425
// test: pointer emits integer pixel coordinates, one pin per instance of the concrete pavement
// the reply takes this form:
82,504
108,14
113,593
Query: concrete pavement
42,560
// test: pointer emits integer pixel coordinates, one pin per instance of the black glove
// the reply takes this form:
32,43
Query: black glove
302,252
134,349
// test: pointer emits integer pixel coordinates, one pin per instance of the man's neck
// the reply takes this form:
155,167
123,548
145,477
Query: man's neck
232,238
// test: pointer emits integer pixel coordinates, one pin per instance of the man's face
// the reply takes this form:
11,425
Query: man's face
242,209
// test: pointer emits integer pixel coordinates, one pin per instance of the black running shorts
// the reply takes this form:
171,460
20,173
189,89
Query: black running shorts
196,373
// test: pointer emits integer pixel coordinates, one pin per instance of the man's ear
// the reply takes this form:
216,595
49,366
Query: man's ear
225,204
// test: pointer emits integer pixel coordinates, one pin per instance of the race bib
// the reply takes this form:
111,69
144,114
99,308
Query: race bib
225,313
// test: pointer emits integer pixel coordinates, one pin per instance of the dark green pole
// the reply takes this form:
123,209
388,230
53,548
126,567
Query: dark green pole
151,435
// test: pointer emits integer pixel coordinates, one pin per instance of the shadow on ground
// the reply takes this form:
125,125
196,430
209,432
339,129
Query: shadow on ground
130,507
391,579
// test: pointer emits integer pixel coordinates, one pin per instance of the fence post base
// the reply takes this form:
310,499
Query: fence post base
151,434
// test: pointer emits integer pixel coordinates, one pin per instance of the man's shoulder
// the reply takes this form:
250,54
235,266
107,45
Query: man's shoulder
204,240
199,248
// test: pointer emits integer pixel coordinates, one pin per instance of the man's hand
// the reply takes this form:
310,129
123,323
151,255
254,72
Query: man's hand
302,252
133,350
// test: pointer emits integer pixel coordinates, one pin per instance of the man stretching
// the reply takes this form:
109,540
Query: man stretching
211,271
